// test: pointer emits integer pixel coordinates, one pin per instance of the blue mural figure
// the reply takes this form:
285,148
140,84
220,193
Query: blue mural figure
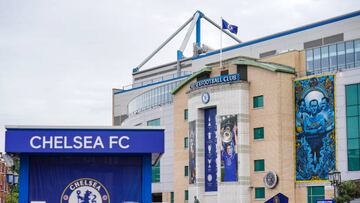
315,124
230,158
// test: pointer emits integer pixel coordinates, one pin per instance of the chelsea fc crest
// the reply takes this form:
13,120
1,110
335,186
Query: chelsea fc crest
205,97
85,190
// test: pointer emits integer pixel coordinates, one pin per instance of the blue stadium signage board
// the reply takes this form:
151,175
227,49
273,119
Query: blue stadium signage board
84,140
215,80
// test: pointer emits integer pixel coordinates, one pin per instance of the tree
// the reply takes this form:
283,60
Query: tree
13,196
348,191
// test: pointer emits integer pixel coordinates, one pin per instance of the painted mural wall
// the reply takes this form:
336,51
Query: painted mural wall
315,128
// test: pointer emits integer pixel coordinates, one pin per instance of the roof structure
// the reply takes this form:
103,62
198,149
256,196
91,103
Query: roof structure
191,77
266,65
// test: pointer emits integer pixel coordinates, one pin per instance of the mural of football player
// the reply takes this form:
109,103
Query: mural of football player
315,128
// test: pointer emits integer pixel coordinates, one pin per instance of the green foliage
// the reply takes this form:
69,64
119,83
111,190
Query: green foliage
348,191
13,199
13,196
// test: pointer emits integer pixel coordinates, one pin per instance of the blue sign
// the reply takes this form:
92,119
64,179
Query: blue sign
215,80
100,179
325,201
84,140
210,150
279,198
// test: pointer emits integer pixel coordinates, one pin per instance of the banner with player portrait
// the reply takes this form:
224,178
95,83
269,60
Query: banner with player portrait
315,128
192,152
229,138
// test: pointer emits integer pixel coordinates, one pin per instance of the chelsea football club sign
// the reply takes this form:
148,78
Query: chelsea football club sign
85,140
85,190
215,80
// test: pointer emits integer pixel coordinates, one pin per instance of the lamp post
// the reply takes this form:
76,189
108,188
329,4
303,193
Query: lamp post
12,179
335,180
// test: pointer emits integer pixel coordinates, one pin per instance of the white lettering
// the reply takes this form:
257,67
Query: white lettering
87,142
121,144
58,142
66,146
47,142
78,144
99,142
112,141
32,142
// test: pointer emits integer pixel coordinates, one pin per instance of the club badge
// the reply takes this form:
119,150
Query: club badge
85,190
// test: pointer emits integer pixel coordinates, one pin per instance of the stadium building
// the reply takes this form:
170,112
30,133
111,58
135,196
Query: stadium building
268,122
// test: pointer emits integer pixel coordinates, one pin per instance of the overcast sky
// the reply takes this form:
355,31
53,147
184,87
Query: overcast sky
59,60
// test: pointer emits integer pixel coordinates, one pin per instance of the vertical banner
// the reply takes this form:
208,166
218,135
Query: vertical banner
192,154
229,137
210,150
315,128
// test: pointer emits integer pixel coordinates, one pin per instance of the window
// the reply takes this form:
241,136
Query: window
353,126
186,142
224,72
156,168
333,57
258,101
186,194
186,114
155,122
186,170
258,133
156,173
259,193
325,58
317,61
172,197
341,55
357,52
350,56
315,193
242,70
310,60
259,165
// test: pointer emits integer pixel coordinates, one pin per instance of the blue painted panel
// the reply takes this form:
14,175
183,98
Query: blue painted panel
210,150
68,179
24,179
84,141
146,178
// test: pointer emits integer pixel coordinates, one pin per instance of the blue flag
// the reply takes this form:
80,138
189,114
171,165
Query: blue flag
231,28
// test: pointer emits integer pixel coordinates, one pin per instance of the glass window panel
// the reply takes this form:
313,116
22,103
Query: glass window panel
341,55
186,170
315,193
186,194
358,94
325,58
259,165
354,160
258,101
309,60
351,94
317,61
352,127
186,142
352,110
354,144
156,173
350,56
357,52
259,193
333,57
259,133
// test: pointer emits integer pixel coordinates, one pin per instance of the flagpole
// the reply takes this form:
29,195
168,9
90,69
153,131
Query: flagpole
221,31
